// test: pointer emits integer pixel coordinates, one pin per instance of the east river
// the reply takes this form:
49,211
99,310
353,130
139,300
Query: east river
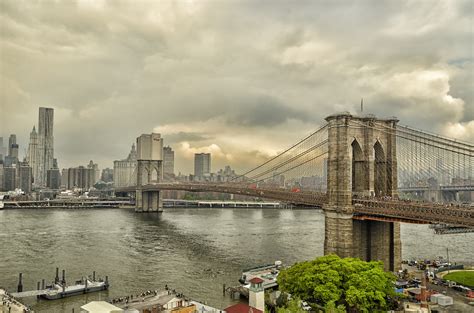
194,251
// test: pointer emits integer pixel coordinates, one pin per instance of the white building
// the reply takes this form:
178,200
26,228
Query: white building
125,170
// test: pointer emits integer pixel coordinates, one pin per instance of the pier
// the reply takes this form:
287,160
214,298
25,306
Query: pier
10,305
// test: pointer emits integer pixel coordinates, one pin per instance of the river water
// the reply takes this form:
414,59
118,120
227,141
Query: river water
194,250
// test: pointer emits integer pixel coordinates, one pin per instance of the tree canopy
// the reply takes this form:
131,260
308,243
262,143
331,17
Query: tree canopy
337,284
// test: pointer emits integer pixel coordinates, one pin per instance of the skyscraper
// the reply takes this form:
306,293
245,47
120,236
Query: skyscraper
12,157
53,176
33,154
202,164
45,144
168,163
3,150
25,177
11,142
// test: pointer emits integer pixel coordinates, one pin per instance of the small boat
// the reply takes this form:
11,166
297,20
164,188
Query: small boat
268,273
85,285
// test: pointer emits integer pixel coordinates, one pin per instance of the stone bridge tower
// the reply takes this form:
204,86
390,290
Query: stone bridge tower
149,171
362,162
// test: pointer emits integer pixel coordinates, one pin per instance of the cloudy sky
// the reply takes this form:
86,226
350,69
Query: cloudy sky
240,79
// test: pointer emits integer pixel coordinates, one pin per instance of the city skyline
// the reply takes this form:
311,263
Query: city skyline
196,75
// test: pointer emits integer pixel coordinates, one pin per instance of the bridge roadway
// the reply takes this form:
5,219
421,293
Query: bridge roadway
441,188
391,209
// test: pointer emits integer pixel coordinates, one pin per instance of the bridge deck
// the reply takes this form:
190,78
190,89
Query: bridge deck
423,212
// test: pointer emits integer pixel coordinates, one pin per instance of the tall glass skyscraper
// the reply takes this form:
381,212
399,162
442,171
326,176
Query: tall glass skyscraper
45,144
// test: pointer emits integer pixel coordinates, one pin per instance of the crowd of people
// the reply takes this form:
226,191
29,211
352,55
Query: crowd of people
8,302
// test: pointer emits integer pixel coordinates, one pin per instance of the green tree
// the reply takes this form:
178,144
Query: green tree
337,284
292,306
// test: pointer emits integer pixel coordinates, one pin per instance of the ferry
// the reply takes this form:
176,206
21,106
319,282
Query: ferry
268,273
85,285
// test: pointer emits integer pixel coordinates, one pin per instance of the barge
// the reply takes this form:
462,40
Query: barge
59,289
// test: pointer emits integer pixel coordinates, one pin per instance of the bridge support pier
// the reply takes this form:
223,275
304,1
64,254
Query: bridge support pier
148,201
367,240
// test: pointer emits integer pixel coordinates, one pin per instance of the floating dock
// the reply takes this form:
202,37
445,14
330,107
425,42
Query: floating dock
58,289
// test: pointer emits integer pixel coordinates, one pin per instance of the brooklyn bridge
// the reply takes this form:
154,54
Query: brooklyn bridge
367,170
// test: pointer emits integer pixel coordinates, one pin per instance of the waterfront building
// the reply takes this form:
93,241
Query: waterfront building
150,147
107,175
33,154
168,163
45,144
202,165
124,174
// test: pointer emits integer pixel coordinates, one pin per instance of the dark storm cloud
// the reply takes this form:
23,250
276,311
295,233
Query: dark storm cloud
229,76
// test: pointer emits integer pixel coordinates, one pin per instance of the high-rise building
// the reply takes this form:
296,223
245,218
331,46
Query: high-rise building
9,178
25,177
1,175
53,176
124,170
168,163
80,177
3,149
45,144
95,167
12,158
64,178
202,165
11,142
33,154
150,147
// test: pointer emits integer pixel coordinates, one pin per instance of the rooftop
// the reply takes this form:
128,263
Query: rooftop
242,308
